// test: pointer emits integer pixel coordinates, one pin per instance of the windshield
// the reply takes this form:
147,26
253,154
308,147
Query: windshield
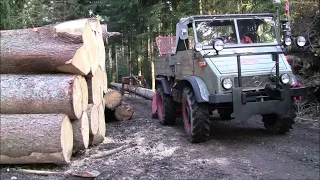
250,31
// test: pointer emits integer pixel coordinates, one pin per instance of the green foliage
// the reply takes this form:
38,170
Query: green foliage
139,21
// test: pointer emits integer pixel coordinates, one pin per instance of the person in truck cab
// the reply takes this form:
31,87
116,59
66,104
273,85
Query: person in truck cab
244,38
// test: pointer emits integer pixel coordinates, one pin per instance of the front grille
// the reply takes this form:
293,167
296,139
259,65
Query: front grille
253,81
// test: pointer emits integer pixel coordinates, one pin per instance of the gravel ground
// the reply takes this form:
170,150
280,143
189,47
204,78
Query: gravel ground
234,151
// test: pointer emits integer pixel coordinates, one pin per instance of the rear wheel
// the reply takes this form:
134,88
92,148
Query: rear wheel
166,108
195,117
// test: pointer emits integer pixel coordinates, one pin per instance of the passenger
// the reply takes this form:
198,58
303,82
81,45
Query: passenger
244,38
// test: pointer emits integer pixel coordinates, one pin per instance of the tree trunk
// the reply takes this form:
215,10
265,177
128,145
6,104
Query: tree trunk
42,94
146,93
69,47
35,138
112,99
81,132
123,112
93,116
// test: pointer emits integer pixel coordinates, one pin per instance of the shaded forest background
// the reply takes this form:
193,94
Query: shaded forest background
141,21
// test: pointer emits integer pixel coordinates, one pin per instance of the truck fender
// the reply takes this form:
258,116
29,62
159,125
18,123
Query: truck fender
199,87
164,84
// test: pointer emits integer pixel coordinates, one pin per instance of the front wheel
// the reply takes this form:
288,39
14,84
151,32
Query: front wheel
195,117
277,125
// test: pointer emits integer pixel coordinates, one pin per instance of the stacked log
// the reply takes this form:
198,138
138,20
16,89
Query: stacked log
52,84
114,104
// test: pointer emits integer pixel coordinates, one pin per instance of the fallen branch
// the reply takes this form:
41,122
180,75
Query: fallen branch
85,174
113,151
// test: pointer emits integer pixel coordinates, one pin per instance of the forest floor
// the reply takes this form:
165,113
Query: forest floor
234,151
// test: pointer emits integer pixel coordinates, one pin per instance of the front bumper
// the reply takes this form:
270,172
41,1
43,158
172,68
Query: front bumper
268,101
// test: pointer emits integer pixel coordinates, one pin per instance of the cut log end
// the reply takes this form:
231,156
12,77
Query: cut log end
93,115
81,132
85,92
112,99
66,138
102,122
77,98
123,112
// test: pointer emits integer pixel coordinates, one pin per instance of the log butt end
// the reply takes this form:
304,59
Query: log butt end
66,139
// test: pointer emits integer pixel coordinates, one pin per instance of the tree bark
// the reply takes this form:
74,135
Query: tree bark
69,47
123,112
35,138
93,116
146,93
81,132
112,99
42,94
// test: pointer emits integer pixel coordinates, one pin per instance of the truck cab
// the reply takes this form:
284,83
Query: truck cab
232,63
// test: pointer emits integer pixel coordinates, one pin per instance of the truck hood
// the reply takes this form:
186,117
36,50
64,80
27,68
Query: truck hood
250,63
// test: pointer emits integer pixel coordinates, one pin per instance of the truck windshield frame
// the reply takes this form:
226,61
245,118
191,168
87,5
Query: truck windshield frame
260,30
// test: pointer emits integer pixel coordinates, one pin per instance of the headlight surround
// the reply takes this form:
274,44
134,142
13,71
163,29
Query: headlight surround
199,47
285,78
287,41
301,41
227,83
218,44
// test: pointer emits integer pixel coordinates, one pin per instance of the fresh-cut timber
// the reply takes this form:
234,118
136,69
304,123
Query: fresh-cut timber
104,81
102,121
99,137
112,99
93,116
94,82
146,93
42,94
123,112
81,132
63,47
35,138
102,51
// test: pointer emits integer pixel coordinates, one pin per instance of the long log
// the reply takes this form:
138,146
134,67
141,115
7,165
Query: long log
146,93
42,94
81,132
35,138
66,47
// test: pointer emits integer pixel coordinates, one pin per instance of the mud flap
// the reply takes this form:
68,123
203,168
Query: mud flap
243,110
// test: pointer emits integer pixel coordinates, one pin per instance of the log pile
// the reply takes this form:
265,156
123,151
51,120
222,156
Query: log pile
53,80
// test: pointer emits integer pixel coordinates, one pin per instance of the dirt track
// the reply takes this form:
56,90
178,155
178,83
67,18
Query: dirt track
233,152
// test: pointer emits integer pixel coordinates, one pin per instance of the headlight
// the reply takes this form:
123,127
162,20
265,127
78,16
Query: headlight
227,83
218,44
287,41
199,47
301,41
285,78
